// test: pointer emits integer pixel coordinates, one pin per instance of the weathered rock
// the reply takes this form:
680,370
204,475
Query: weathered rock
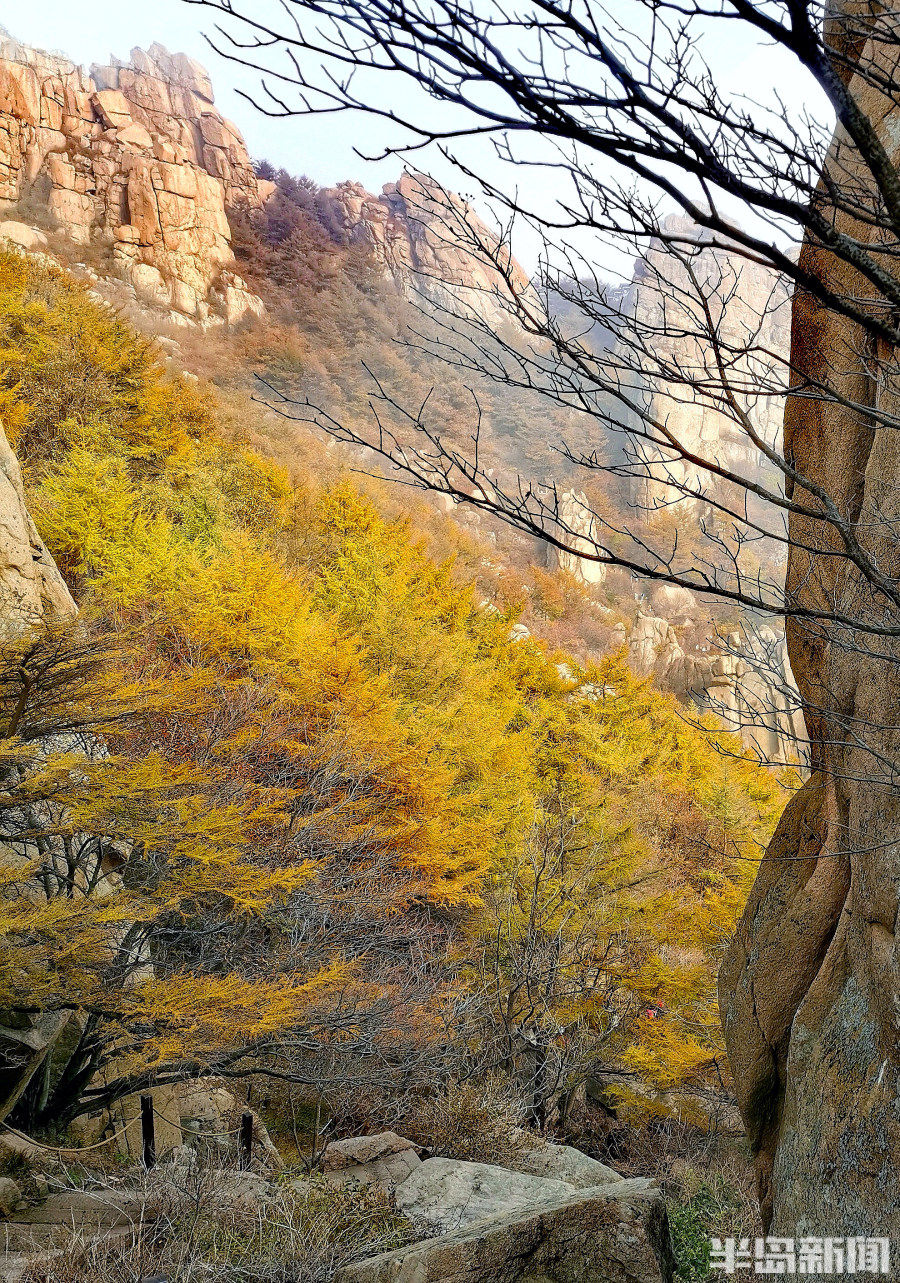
746,680
564,1163
385,1159
432,245
89,1128
72,1213
20,1150
750,308
579,531
10,1196
365,1149
615,1234
138,159
810,988
23,1047
30,583
208,1111
125,1116
22,236
447,1193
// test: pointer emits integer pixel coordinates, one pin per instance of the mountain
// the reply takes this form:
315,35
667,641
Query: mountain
135,155
130,175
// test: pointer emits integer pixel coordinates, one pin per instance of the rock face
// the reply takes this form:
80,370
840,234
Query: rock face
616,1233
30,583
448,1194
750,310
745,681
810,988
432,245
579,528
134,155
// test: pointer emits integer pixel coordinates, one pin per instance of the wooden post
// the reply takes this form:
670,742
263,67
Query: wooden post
148,1135
246,1140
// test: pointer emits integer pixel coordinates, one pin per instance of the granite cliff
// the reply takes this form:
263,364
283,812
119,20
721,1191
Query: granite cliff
432,245
134,155
680,286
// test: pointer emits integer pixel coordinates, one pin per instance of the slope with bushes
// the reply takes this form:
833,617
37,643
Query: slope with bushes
353,832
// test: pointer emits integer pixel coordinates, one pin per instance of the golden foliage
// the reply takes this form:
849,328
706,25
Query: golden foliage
301,684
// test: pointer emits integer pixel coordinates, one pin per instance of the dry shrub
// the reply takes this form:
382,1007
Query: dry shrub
214,1225
476,1122
109,1261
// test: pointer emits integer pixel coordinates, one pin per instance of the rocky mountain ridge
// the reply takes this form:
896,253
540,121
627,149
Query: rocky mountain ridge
683,286
432,244
134,155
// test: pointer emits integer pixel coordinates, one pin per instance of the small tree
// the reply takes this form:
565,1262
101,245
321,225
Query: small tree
171,904
556,969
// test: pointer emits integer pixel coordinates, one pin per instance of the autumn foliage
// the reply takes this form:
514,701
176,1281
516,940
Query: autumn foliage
318,804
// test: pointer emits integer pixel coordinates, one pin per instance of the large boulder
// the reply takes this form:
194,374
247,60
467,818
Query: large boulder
31,586
564,1163
385,1159
617,1233
446,1193
810,989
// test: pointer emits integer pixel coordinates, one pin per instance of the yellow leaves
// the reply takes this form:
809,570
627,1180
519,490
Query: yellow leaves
666,1053
194,1013
301,684
77,367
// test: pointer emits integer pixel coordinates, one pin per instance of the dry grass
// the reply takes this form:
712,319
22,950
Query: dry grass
474,1122
216,1226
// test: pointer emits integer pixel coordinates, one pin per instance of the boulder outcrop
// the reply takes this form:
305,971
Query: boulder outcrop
678,380
563,1163
616,1233
580,530
432,245
385,1159
448,1194
136,156
745,680
31,586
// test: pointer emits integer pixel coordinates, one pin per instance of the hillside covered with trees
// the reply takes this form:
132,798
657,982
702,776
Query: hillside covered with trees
307,806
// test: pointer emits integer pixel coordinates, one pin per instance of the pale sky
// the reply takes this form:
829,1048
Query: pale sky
324,146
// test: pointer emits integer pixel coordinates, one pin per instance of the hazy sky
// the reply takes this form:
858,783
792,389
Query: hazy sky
324,147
